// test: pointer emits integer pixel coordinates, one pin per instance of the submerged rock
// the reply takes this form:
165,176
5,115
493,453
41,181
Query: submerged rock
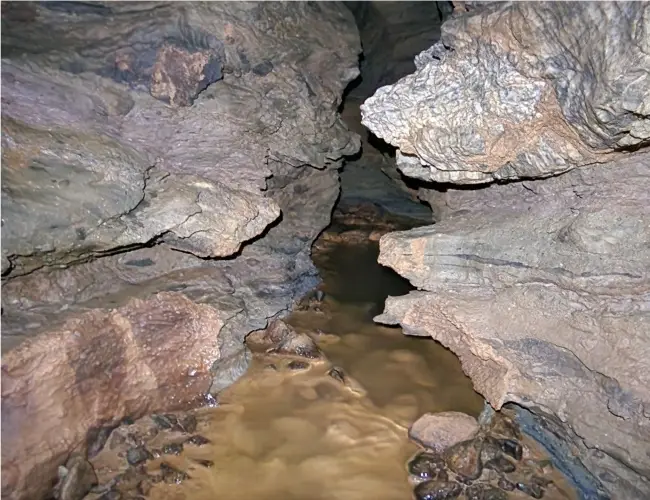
437,490
439,431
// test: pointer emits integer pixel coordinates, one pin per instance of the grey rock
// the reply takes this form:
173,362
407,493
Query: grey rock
75,479
543,291
439,431
501,98
166,138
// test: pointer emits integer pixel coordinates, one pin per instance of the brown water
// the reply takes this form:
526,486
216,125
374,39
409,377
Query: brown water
280,434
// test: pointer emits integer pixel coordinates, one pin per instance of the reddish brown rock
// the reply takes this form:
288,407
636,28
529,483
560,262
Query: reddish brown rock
441,430
93,370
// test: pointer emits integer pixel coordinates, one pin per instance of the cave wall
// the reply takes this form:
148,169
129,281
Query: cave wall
392,33
165,170
527,125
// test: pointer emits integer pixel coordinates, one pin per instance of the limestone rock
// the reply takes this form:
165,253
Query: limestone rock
520,90
543,293
439,431
95,369
143,143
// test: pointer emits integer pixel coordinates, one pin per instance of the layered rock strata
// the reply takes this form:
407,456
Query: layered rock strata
180,154
541,286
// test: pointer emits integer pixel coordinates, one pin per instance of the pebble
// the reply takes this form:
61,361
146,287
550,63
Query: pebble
298,365
427,466
482,492
532,490
510,447
465,459
500,464
337,374
437,490
197,440
137,455
75,479
505,484
171,474
172,449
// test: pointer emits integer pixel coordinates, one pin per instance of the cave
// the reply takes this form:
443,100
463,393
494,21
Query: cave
337,250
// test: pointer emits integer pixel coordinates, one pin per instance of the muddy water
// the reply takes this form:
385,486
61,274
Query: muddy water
282,434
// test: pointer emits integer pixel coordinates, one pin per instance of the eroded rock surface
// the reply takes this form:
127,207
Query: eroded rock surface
542,286
152,147
95,368
499,98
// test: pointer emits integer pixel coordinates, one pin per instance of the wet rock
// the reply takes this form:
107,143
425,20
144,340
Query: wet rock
500,464
439,431
505,484
437,490
532,490
75,479
101,365
172,475
337,374
138,455
198,440
203,463
188,423
513,307
172,449
280,338
510,447
483,492
465,459
427,466
96,439
144,487
111,495
166,422
298,365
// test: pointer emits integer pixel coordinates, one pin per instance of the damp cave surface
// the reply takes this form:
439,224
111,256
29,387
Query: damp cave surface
284,434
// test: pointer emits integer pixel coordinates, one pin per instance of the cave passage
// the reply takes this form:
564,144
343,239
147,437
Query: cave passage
330,428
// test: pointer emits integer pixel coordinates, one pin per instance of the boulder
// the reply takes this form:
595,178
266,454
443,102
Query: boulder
439,431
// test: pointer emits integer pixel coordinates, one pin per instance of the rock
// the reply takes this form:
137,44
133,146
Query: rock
439,431
298,365
541,285
172,449
101,366
532,490
76,479
280,338
514,308
464,459
189,136
454,121
480,492
427,466
437,490
138,455
198,440
510,447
